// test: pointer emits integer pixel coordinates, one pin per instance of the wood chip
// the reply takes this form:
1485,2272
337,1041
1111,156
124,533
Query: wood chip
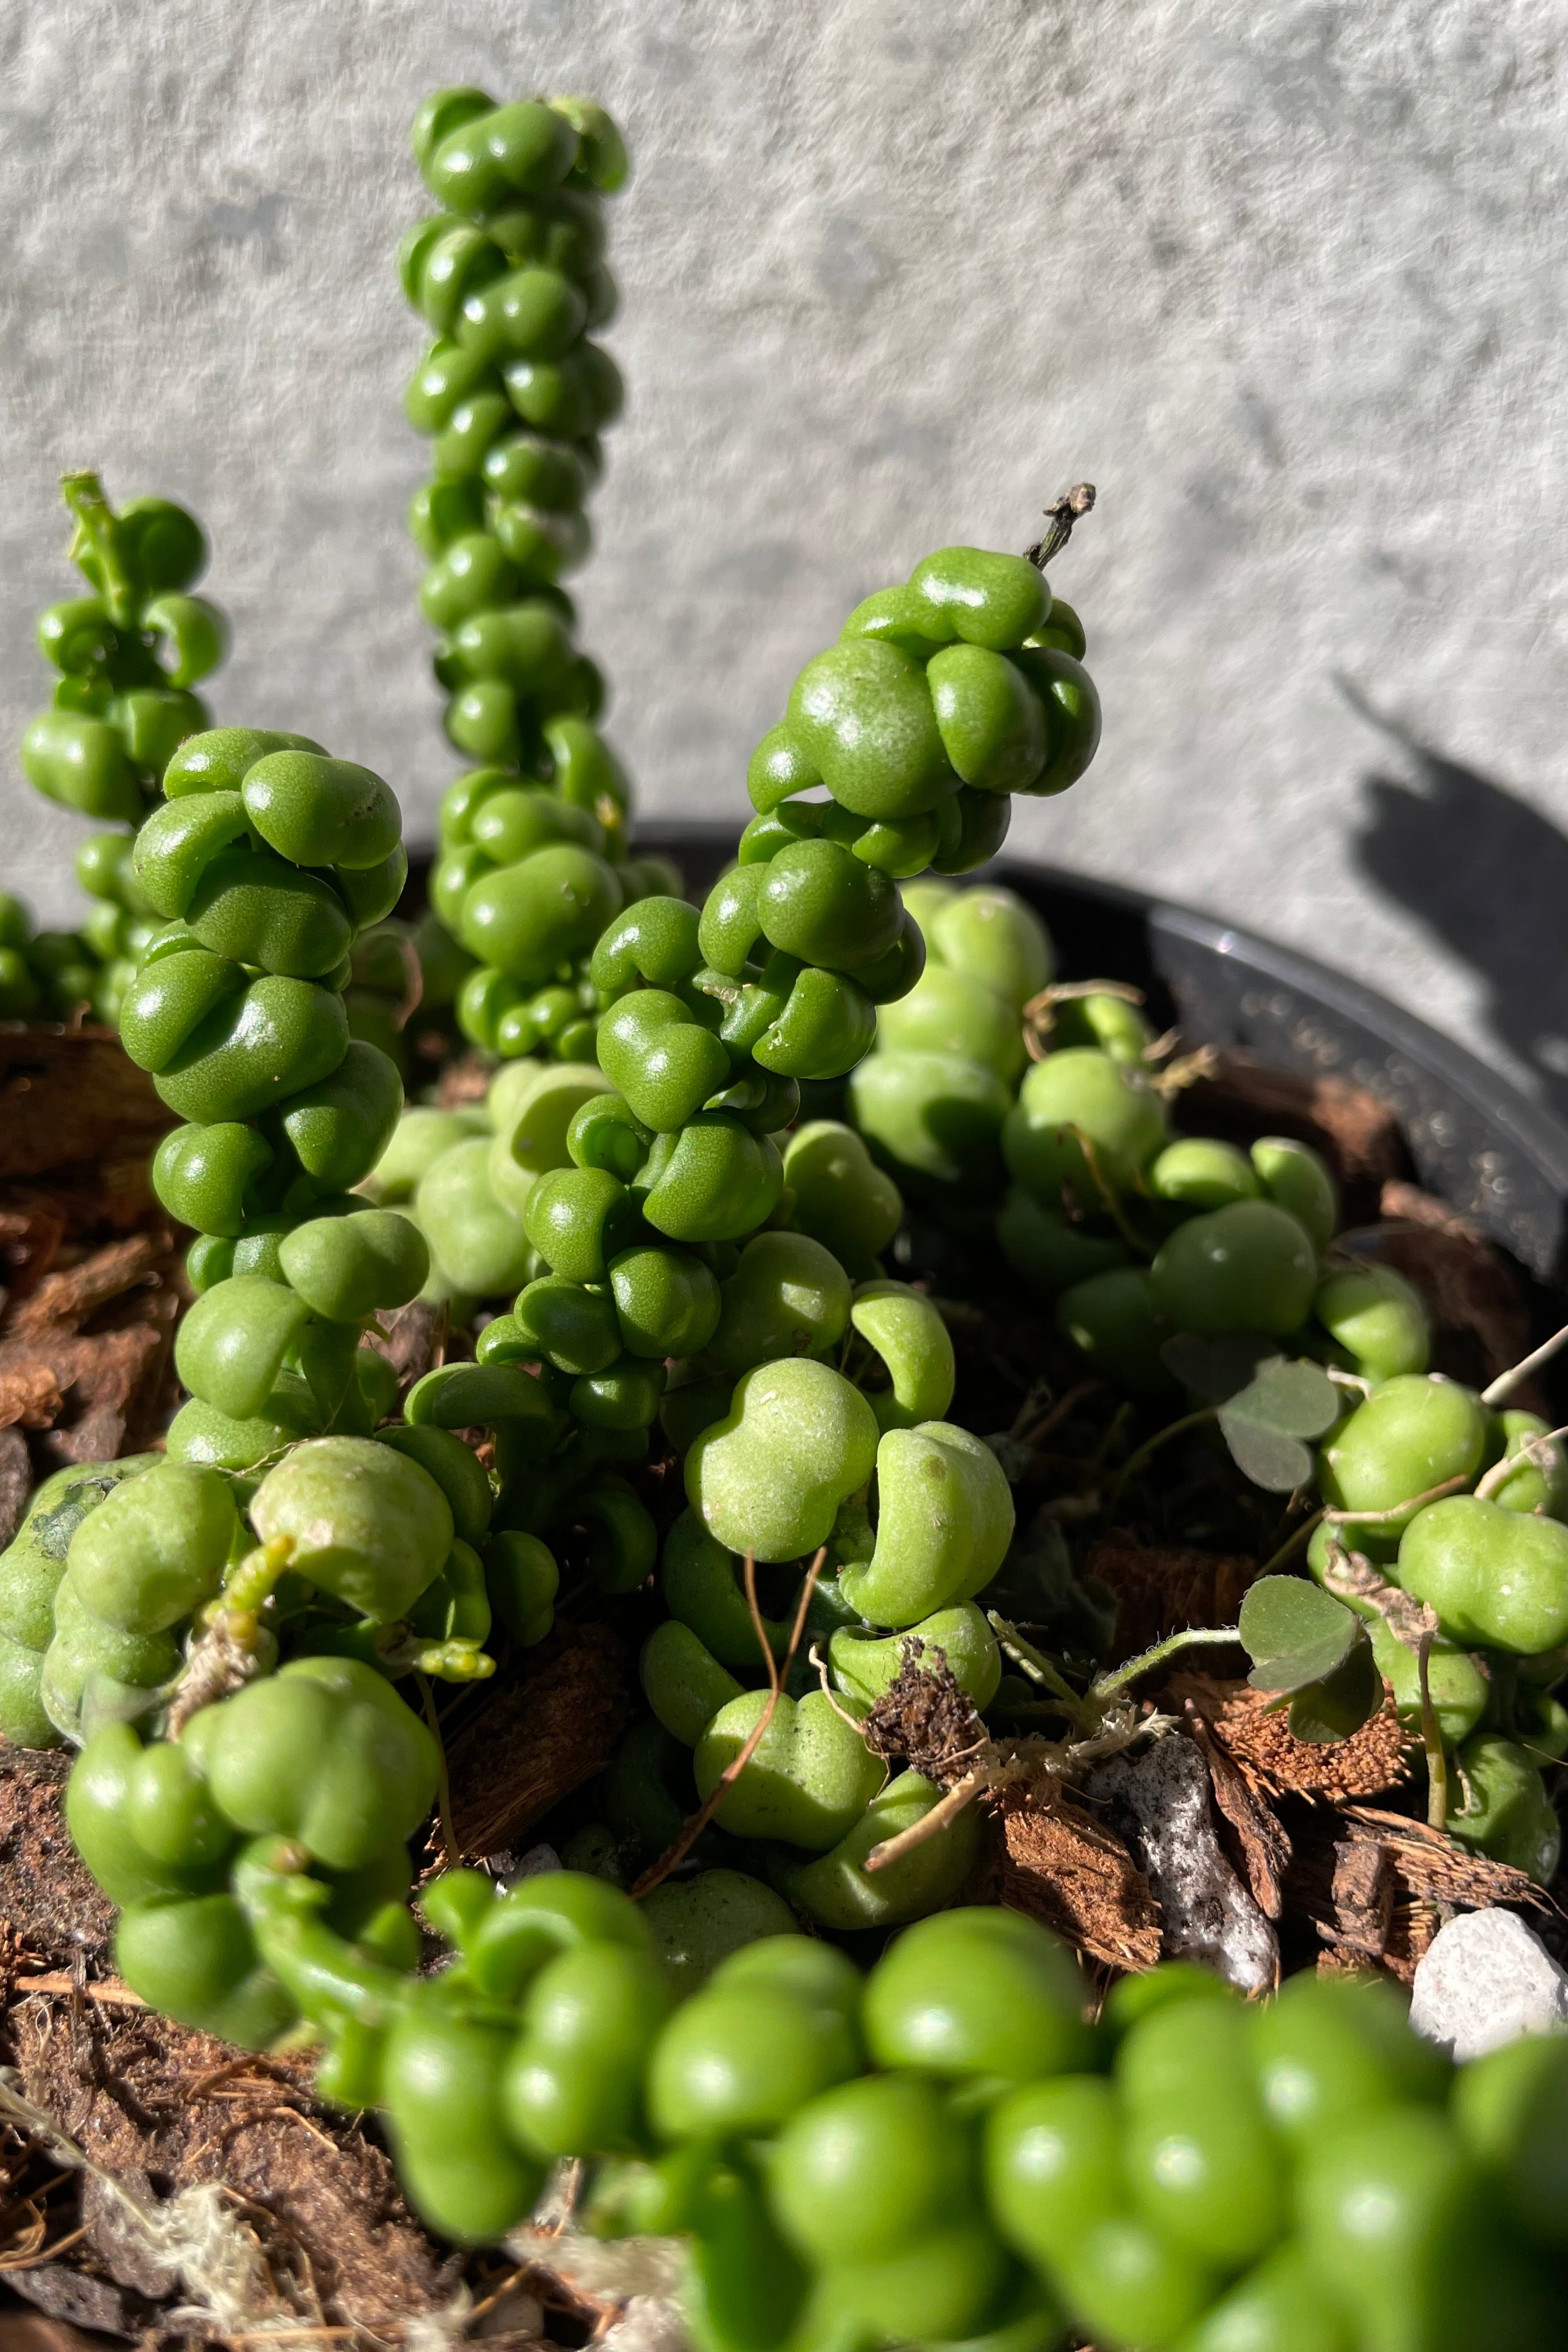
110,1383
16,1482
30,1395
64,1301
1376,1886
1259,1843
1276,1763
71,1098
1362,1892
1049,1858
413,1339
552,1723
1160,1588
30,1235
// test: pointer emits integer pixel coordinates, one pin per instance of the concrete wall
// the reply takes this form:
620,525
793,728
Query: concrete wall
1284,279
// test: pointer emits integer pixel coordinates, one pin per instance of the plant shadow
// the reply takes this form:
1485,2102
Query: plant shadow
1488,874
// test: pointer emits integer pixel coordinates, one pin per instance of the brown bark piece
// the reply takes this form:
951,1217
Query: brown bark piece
16,1482
30,1235
1258,1838
71,1098
30,1396
552,1723
1063,1867
109,1384
26,2331
1377,1885
1161,1588
1276,1763
64,1301
1362,1891
1356,1131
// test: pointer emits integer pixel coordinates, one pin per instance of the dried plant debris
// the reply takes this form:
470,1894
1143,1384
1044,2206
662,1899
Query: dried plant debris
86,1360
551,1724
1269,1756
414,1338
1375,1887
1052,1860
16,1482
1161,1588
272,2209
1160,1802
925,1716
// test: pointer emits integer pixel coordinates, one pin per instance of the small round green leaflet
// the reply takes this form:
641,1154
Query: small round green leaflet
1265,1424
1309,1647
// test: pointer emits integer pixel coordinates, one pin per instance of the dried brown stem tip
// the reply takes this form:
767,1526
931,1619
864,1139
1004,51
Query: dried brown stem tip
1070,508
673,1856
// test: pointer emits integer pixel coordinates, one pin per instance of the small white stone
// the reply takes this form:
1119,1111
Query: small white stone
1485,1979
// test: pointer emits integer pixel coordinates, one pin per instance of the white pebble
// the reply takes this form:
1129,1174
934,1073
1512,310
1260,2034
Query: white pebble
1485,1979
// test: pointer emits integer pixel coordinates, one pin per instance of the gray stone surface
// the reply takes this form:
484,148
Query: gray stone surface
1485,1978
1284,278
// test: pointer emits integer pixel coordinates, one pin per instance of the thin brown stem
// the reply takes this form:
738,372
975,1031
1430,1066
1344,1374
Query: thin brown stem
1531,1453
946,1809
1033,1432
759,1625
695,1824
820,1663
1109,1202
1061,515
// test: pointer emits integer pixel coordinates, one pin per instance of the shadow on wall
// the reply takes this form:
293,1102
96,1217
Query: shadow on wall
1488,874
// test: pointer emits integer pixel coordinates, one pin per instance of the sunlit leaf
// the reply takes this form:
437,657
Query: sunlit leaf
1337,1706
1264,1423
1294,1632
1268,1457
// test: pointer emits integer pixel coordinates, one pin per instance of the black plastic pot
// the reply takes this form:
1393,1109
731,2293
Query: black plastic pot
1475,1141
